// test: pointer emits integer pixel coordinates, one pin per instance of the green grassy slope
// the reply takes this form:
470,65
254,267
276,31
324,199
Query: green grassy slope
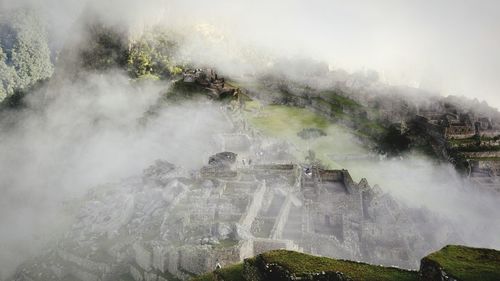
460,262
300,264
468,264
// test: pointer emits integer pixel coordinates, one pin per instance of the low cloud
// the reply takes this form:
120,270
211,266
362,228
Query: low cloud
96,130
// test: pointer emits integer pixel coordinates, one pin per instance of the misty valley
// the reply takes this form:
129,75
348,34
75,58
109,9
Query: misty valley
165,141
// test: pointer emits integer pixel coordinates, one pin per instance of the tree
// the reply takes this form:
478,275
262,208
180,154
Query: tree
24,51
153,54
106,47
8,77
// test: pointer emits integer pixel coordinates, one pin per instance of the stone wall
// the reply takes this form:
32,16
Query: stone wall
143,257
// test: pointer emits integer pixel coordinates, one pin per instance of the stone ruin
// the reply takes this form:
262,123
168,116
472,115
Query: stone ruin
172,224
209,80
473,136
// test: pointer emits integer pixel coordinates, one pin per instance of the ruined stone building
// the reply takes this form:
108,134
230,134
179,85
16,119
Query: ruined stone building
171,223
208,79
472,136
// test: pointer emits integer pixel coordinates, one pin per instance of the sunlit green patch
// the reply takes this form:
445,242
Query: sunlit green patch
279,121
284,123
301,264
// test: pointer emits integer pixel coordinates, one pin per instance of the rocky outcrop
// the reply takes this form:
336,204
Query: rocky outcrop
432,271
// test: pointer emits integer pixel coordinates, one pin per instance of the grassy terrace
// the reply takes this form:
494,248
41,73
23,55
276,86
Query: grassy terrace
284,122
280,120
492,159
470,141
300,264
477,148
468,264
230,273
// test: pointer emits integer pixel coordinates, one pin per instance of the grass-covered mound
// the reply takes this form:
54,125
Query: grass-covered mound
300,264
465,263
458,262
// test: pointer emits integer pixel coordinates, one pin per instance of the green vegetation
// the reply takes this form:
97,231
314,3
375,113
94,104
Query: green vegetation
230,273
338,102
471,140
468,264
302,264
150,57
105,48
494,159
279,120
460,262
284,122
24,51
461,142
477,148
330,104
17,99
394,142
180,90
153,56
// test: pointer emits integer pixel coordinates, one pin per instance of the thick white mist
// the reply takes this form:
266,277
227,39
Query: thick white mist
86,133
91,131
446,46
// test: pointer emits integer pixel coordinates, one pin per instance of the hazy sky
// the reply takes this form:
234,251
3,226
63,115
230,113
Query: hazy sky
450,46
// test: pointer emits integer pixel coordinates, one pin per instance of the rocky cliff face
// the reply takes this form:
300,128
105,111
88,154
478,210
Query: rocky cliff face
432,271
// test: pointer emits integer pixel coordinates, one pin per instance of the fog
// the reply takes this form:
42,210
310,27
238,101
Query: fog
94,131
446,46
437,187
75,135
416,181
